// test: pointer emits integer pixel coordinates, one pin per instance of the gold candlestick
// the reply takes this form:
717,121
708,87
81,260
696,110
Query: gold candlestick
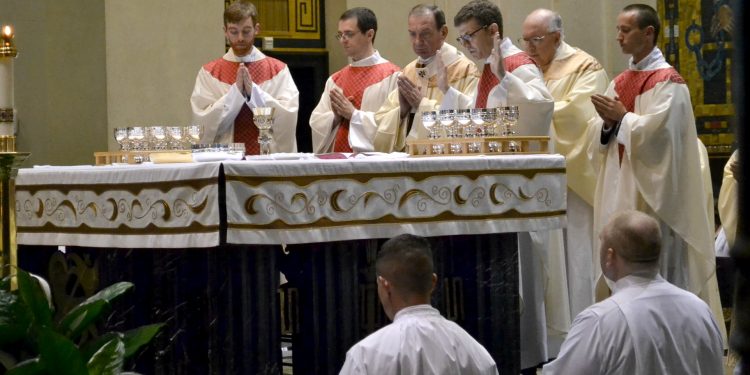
9,159
9,163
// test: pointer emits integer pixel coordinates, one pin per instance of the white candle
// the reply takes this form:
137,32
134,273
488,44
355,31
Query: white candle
6,72
6,82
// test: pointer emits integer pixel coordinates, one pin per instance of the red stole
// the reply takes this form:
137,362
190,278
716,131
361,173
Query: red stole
488,80
353,80
261,71
632,83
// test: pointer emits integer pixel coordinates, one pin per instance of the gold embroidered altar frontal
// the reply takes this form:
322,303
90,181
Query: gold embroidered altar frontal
148,206
286,202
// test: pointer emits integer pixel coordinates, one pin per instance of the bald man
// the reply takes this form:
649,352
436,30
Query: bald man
647,326
572,76
420,340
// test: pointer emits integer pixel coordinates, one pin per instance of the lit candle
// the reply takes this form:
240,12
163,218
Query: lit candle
7,54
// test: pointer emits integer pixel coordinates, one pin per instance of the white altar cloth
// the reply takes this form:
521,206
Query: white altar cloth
130,206
302,201
288,201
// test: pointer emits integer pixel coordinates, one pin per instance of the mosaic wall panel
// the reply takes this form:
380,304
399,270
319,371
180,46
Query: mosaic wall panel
697,40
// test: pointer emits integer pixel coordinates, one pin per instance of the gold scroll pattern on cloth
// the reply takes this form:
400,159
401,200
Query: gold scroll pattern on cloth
339,201
116,209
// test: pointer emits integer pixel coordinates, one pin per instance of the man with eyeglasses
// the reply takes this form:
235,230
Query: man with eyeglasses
418,84
508,77
572,76
650,159
227,88
344,120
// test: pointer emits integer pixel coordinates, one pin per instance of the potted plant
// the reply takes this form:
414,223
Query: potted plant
31,342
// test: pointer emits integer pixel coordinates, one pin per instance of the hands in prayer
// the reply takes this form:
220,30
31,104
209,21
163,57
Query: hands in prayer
497,64
442,72
341,105
244,81
409,95
609,109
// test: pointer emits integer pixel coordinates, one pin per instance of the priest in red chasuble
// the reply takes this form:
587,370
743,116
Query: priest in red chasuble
344,120
227,88
651,163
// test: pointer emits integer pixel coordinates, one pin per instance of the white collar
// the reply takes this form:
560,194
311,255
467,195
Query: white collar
255,55
373,59
415,311
654,60
636,278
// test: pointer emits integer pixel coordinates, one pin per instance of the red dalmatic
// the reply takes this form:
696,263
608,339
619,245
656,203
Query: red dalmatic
632,83
353,80
261,71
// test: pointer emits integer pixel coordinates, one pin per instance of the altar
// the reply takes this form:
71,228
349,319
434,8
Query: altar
204,244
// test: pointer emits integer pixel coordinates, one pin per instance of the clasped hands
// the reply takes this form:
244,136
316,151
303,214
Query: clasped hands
611,110
342,106
244,81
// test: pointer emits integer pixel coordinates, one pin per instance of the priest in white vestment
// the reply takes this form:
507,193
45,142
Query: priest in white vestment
228,88
419,340
572,76
344,120
400,116
650,158
647,326
510,77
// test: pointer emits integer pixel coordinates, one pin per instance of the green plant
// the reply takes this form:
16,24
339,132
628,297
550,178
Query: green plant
32,343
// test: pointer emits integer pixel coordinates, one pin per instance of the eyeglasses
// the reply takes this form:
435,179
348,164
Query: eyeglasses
346,35
535,41
466,38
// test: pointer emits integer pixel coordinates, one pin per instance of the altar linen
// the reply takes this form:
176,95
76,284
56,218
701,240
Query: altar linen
419,341
522,85
652,165
219,106
368,82
391,134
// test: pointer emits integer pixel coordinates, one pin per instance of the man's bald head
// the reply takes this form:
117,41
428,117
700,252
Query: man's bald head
550,19
541,35
635,237
406,262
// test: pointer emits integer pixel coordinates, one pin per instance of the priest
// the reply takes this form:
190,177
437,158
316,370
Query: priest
417,87
227,89
572,76
344,120
650,159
